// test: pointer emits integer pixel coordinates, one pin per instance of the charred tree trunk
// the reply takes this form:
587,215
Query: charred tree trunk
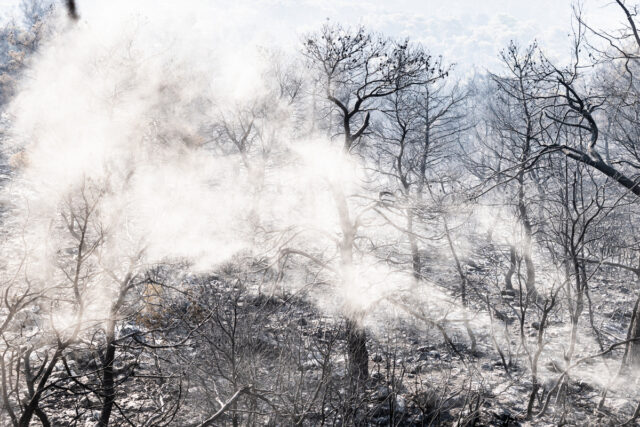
631,358
463,284
527,241
108,376
416,263
508,278
358,364
358,354
578,308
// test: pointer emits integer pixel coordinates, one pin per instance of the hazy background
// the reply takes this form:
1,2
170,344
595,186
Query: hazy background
468,32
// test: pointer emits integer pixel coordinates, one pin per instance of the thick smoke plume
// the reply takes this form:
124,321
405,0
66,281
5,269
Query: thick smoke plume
118,110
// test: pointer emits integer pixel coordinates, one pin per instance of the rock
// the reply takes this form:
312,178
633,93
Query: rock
555,366
502,316
380,421
382,393
377,377
503,417
508,293
416,420
309,365
379,410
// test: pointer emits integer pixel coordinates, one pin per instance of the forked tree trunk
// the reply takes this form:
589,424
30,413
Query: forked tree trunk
358,363
32,407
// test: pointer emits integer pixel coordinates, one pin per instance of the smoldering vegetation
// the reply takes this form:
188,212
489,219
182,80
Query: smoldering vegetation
198,229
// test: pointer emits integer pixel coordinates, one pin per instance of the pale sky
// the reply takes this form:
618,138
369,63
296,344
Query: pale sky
468,32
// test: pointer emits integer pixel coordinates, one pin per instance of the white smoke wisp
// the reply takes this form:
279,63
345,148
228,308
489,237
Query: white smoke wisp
115,106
